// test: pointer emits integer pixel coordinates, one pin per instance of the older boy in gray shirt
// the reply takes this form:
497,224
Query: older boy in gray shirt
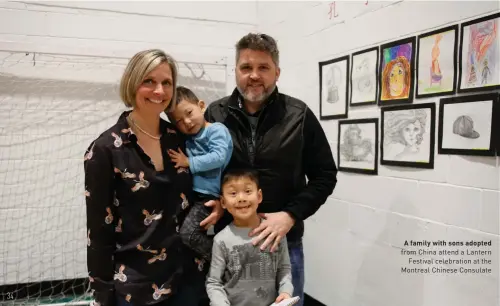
241,273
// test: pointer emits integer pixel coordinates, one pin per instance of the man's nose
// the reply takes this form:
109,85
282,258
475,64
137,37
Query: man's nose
254,75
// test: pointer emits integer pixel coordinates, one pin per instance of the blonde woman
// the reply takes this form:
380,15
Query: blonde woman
136,198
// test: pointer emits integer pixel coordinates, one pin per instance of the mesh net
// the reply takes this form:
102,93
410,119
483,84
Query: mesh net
51,108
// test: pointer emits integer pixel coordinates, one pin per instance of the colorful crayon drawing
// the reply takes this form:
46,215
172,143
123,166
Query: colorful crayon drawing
436,62
480,54
397,72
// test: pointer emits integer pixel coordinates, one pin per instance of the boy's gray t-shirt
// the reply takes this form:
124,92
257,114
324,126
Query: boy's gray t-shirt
242,274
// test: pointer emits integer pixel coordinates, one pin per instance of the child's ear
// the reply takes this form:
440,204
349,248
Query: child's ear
202,105
259,196
222,202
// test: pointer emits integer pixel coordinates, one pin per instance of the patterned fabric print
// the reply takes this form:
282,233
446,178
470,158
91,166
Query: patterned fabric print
133,215
243,275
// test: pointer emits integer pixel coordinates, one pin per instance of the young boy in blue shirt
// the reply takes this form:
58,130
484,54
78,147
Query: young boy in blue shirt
209,147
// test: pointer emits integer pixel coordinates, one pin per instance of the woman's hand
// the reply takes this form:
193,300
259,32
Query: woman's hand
216,214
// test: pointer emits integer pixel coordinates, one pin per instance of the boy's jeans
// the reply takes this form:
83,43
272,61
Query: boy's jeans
296,252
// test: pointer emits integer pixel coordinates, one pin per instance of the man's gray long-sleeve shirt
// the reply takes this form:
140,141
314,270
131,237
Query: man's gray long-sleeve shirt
242,274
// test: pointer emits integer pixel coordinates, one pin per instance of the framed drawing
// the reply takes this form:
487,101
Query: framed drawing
364,77
480,54
407,137
333,85
397,65
358,146
467,125
436,63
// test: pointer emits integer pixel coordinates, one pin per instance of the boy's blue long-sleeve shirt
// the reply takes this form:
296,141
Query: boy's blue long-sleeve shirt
209,152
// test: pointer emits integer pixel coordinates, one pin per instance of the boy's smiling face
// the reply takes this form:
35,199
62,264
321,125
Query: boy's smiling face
241,197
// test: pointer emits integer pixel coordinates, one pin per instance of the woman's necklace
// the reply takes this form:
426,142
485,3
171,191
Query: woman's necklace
142,130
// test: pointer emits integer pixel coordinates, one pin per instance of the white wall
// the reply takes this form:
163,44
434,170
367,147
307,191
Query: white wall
366,219
187,30
353,244
60,63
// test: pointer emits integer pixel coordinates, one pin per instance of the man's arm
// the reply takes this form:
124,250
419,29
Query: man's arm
319,167
215,286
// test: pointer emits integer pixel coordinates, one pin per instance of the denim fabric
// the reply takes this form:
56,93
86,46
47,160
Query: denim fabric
296,251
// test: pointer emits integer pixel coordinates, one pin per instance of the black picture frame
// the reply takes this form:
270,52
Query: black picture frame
455,58
413,164
409,99
461,89
323,65
363,145
369,102
466,122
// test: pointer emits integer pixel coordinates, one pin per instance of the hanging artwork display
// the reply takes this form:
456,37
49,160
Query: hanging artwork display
358,146
479,63
467,125
397,65
364,77
333,89
436,62
408,135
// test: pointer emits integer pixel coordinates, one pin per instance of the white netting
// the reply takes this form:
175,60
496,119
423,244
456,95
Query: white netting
51,108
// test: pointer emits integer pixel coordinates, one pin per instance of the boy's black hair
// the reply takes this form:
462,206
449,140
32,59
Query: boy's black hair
184,93
237,173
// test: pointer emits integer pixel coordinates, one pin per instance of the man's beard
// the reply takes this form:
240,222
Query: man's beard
257,98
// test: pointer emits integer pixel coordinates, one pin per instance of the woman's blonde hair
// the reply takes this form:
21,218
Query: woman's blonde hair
139,66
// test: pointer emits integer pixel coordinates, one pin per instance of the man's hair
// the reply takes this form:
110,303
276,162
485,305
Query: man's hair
259,42
238,173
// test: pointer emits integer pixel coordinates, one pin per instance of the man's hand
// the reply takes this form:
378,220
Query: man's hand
274,227
282,297
216,214
179,158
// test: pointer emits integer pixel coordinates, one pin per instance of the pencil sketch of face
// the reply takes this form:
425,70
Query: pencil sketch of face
364,82
406,128
352,136
355,147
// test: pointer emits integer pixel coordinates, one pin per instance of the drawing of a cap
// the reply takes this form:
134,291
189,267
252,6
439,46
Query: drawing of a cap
464,126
